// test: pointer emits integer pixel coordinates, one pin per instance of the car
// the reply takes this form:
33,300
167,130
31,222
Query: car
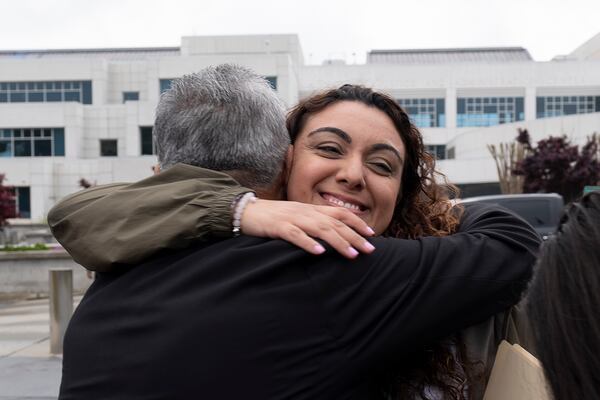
541,210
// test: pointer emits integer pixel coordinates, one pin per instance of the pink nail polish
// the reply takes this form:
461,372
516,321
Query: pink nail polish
369,246
352,251
319,249
370,230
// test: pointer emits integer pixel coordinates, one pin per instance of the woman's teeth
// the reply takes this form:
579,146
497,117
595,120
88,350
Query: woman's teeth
341,203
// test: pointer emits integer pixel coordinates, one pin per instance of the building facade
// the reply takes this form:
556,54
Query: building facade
72,114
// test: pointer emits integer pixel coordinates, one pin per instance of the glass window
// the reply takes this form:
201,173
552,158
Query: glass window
20,92
23,202
17,97
147,141
72,96
54,96
272,81
108,147
22,148
165,84
489,111
566,105
437,150
131,96
39,142
425,113
35,97
86,92
5,148
59,141
42,148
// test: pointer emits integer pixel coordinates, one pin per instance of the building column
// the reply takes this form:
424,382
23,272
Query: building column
530,104
450,107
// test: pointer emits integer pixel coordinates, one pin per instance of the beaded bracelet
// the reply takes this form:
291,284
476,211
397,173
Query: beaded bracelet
238,210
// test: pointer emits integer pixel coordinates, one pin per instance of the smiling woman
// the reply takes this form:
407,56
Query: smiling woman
357,146
352,157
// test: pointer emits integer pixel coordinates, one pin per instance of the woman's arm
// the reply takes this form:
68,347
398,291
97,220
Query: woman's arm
123,224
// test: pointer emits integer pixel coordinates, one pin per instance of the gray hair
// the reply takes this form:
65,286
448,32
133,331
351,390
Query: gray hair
225,118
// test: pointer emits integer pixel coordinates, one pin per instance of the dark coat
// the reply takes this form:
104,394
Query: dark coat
249,318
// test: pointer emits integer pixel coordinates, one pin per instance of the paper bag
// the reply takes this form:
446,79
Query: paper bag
516,375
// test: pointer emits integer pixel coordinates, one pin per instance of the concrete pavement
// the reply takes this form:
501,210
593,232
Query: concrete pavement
27,369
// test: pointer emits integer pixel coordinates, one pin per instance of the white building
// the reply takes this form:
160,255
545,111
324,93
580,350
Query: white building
72,114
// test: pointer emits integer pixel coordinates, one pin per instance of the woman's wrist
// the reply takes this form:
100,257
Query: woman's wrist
239,205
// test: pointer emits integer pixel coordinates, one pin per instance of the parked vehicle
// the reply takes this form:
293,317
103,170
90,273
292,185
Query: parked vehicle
541,210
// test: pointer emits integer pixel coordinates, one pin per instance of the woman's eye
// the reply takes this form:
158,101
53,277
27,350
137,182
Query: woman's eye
329,149
382,167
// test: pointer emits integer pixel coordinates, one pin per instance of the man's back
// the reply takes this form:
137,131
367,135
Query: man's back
258,319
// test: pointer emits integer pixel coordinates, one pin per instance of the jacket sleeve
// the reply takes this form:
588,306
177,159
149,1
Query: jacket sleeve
113,226
409,292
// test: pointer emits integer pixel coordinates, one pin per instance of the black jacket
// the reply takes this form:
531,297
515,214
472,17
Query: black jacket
248,318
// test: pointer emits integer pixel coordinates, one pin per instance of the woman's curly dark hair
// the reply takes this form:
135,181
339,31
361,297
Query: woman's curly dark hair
423,209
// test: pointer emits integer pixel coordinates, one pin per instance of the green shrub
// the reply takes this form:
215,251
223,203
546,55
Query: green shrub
33,247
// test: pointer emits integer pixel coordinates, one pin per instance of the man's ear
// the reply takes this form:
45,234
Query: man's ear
289,161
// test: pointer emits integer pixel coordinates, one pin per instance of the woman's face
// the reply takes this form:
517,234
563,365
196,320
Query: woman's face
349,155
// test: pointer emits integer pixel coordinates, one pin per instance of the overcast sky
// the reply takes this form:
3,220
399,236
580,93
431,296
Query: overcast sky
344,29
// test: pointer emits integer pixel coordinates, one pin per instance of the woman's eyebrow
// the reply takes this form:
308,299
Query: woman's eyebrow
337,131
383,146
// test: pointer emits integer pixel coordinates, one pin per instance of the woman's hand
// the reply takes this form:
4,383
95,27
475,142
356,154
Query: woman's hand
299,223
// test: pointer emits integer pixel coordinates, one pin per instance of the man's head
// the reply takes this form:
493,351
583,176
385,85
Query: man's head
224,118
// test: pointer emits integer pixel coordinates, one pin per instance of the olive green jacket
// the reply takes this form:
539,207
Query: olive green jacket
125,223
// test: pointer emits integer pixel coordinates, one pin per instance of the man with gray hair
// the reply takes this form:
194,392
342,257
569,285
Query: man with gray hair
224,118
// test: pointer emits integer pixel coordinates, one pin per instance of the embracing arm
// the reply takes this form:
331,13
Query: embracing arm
108,225
123,224
413,291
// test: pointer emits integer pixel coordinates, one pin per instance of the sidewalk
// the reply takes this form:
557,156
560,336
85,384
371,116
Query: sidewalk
27,369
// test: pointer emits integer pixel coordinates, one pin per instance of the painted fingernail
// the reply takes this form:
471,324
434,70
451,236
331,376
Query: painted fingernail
370,230
352,251
319,249
368,246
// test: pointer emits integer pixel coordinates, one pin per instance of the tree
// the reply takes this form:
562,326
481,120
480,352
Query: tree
507,156
7,203
555,165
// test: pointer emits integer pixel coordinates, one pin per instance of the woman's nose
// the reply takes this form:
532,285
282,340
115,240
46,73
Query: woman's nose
351,174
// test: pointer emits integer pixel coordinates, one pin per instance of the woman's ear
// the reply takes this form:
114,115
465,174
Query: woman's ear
289,161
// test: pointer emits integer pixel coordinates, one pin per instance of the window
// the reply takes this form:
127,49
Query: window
108,147
555,106
165,84
131,96
425,113
148,146
22,201
272,81
451,153
489,111
27,142
52,91
437,150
